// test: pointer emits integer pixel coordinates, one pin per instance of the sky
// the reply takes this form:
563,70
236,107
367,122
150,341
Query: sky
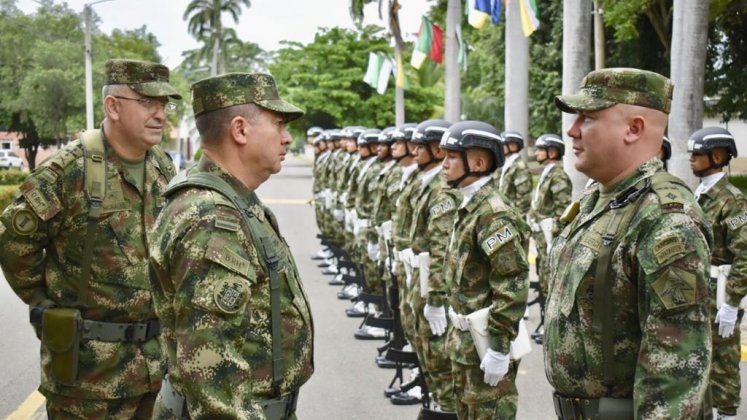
266,22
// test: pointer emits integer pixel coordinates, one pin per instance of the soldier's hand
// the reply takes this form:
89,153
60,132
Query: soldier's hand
726,318
495,366
436,316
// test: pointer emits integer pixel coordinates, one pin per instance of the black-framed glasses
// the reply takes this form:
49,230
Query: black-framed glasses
151,104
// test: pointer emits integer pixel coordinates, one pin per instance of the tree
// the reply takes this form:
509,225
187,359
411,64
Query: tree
206,25
326,78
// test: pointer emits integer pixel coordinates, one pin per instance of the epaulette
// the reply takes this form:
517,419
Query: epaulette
64,157
164,161
670,197
497,204
221,200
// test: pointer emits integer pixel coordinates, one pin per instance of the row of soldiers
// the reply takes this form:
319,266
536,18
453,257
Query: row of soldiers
403,209
429,225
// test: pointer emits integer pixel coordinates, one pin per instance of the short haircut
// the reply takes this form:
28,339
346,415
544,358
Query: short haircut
213,125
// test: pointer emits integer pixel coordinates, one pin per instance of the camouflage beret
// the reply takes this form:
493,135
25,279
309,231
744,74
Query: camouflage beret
604,88
144,77
241,88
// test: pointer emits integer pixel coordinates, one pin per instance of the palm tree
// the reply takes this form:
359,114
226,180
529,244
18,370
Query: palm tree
205,23
356,12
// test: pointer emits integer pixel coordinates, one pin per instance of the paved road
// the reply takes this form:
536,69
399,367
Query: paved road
347,384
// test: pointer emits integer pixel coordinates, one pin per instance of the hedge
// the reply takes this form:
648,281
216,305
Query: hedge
7,193
12,177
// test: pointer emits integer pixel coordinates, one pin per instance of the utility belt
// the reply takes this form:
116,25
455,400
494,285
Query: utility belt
574,408
274,408
62,330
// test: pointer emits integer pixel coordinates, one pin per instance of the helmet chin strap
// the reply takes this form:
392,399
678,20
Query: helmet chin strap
431,158
467,172
711,165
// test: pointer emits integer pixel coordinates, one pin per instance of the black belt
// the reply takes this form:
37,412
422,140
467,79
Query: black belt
572,408
578,408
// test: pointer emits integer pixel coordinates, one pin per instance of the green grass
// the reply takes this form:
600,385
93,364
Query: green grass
739,181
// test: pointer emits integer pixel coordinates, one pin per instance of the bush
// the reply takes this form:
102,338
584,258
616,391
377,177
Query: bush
12,177
7,193
739,181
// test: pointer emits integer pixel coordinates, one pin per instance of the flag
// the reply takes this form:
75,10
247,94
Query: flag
529,20
399,74
462,55
384,72
430,44
372,72
480,11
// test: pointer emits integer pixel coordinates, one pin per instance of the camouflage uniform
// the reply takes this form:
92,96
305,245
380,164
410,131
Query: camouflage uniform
211,285
515,183
550,198
433,220
364,206
319,172
219,349
43,233
658,275
726,208
486,264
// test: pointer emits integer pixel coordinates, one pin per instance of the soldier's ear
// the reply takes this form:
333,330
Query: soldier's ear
111,107
636,127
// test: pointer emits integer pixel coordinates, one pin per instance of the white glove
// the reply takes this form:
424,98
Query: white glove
373,251
338,215
726,318
436,316
495,366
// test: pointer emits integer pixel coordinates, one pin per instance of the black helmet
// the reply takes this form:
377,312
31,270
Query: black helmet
369,136
666,145
385,137
513,137
352,132
403,132
314,132
546,141
430,130
466,135
710,138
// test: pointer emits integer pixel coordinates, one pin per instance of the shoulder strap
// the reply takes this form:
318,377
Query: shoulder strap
165,164
267,255
95,185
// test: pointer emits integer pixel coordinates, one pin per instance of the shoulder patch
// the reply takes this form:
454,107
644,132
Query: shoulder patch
737,221
675,288
25,222
44,207
668,248
442,207
497,203
228,258
558,186
231,294
522,179
228,223
497,239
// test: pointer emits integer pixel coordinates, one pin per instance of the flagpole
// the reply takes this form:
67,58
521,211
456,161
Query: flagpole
452,94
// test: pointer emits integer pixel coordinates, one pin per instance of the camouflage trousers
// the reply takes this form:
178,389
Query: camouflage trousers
406,312
476,400
541,264
435,357
724,382
62,407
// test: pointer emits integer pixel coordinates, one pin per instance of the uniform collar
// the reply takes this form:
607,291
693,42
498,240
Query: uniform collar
474,193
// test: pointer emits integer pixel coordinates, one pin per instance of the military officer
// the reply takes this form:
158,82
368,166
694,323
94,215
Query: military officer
74,250
627,330
236,319
486,267
725,207
515,179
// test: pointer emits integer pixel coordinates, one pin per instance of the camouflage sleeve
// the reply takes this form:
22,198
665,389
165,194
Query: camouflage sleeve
27,227
440,225
523,186
211,332
736,240
561,188
501,241
674,356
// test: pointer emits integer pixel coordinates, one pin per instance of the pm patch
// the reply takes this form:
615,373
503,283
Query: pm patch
558,187
666,249
497,239
675,288
442,208
737,221
231,294
25,222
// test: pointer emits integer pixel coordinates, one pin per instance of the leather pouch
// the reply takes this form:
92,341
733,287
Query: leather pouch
61,329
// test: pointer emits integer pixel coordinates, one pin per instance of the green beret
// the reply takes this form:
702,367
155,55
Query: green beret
241,88
604,88
144,77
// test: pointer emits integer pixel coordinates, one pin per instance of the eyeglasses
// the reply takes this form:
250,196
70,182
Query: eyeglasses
151,104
